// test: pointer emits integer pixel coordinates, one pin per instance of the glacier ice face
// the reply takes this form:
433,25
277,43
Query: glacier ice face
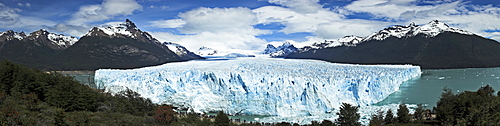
260,86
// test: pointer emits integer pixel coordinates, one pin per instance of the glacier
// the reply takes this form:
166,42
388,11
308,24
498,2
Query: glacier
260,86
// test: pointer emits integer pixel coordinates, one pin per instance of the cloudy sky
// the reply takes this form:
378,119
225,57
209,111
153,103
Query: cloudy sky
248,24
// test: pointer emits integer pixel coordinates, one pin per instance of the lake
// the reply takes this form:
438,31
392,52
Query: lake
428,87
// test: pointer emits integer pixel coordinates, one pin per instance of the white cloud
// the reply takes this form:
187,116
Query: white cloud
172,23
10,19
8,16
217,19
72,30
295,22
107,10
120,7
24,5
335,30
233,27
222,28
300,6
386,9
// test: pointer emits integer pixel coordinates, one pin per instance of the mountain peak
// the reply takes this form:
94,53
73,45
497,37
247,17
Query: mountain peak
130,24
62,41
125,29
9,35
114,29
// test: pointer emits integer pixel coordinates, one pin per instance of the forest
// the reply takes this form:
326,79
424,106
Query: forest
34,97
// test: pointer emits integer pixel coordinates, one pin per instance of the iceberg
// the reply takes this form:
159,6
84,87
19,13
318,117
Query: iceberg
260,86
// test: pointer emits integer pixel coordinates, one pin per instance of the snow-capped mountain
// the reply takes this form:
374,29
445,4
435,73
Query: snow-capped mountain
121,45
115,45
434,45
280,51
42,36
430,29
35,50
55,41
125,29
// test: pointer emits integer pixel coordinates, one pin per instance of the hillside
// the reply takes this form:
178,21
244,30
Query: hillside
118,45
444,48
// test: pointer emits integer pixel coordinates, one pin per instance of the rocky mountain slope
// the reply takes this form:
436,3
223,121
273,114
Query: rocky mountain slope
432,46
117,45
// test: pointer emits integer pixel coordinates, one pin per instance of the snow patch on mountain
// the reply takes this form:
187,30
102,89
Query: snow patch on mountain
177,49
57,39
117,29
62,40
344,41
113,28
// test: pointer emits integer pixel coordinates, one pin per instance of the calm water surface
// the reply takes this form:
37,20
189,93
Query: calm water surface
428,87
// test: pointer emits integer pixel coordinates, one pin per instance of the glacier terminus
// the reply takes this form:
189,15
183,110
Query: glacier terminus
260,86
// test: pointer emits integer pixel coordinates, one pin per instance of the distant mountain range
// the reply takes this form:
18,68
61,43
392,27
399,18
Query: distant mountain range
120,45
434,45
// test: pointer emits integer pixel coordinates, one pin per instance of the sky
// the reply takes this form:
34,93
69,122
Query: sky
248,24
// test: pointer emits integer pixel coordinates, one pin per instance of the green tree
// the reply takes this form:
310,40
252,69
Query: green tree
468,108
135,104
444,108
403,114
222,119
377,118
348,115
192,116
419,113
389,117
485,91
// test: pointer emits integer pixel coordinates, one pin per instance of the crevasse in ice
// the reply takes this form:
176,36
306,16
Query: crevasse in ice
260,86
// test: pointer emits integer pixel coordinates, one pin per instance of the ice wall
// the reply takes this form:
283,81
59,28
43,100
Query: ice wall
260,86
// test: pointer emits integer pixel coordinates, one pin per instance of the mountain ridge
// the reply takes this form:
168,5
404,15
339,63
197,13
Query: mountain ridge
441,47
119,45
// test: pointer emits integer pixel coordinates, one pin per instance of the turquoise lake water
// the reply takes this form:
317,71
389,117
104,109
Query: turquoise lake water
427,88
